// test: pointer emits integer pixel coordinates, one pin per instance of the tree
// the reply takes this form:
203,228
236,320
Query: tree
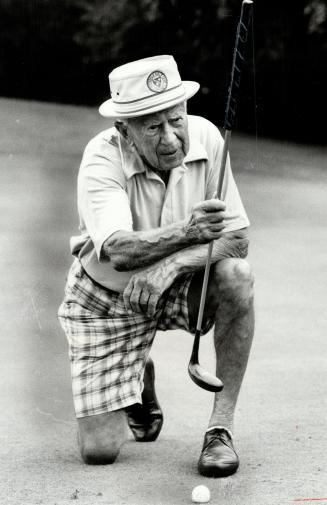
62,50
39,58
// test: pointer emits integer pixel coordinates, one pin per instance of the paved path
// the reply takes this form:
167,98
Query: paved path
281,419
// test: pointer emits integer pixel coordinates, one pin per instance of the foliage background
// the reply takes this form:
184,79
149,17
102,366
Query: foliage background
63,50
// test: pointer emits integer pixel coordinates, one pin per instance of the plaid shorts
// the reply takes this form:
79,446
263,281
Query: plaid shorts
108,347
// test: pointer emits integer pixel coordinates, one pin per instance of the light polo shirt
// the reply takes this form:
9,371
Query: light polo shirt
116,191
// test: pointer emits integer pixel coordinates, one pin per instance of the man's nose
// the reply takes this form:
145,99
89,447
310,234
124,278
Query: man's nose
168,136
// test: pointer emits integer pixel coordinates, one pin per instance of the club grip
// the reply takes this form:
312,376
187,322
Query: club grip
238,61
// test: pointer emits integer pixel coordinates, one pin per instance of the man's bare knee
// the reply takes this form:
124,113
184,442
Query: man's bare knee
234,278
100,437
94,453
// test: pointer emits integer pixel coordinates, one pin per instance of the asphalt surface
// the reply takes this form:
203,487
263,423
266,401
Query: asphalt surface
280,429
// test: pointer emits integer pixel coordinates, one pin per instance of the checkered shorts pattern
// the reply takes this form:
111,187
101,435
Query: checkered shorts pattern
107,346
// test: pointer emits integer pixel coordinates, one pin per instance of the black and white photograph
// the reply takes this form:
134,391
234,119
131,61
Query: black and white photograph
163,252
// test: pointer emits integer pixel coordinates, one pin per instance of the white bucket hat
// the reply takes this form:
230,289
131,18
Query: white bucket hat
146,86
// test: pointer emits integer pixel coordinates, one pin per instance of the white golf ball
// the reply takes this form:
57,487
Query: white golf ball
200,494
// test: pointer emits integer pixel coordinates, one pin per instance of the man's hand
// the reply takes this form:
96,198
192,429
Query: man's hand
206,221
132,250
145,288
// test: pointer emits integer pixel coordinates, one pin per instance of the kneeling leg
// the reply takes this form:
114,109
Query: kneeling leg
101,436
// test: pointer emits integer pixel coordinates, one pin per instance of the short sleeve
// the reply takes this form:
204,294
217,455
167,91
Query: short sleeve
102,199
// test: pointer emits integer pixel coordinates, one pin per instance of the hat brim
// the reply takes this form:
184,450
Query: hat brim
108,108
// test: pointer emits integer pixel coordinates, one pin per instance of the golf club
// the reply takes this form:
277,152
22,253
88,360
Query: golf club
197,373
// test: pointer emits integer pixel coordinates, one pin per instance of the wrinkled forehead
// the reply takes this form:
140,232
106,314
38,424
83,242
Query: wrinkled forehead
158,116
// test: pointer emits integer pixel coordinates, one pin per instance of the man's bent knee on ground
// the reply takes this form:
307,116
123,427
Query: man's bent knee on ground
100,437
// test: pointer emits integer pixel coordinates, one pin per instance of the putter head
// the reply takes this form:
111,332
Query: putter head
204,379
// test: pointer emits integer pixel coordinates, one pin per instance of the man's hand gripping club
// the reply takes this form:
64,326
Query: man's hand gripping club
146,287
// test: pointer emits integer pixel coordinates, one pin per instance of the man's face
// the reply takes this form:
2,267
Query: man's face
162,138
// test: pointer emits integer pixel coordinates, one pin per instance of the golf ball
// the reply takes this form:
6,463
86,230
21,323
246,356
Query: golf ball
200,494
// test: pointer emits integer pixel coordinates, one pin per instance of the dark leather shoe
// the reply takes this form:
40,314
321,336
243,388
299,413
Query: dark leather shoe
146,420
218,457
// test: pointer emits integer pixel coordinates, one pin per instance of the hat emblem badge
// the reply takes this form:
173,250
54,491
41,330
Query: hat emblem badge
157,81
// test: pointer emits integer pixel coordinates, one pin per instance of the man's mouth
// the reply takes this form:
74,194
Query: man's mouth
169,153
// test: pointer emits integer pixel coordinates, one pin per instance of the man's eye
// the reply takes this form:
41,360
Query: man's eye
153,128
176,120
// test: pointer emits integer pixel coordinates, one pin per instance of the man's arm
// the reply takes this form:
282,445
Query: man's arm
146,287
129,250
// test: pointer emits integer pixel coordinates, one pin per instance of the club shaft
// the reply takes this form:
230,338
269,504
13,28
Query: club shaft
230,112
198,375
210,247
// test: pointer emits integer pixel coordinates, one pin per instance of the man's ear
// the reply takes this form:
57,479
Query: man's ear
121,126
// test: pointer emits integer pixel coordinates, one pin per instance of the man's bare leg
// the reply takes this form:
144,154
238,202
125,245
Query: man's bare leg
100,437
230,300
233,335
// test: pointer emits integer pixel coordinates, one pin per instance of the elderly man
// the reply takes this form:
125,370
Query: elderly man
147,207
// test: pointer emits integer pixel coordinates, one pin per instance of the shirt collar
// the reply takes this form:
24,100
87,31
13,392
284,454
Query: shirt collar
196,152
131,160
133,164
